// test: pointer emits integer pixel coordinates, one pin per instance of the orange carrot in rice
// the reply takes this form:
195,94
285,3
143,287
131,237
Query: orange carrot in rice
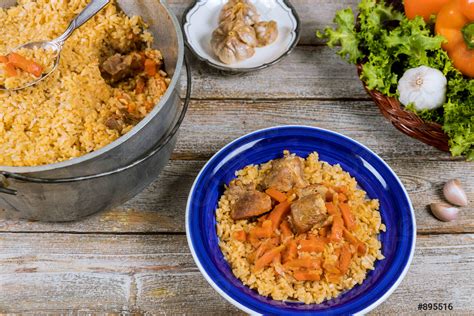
331,208
285,230
240,235
312,245
347,216
267,258
307,275
150,67
24,64
291,251
331,268
323,231
278,213
345,258
265,231
276,195
342,189
277,259
359,245
337,228
306,262
341,197
333,277
3,59
10,70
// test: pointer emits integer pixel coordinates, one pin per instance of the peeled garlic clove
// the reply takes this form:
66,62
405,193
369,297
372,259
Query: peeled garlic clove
444,212
454,193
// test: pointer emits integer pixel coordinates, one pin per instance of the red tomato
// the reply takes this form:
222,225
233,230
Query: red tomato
423,8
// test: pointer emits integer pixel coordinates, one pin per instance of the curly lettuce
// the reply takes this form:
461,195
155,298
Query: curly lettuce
388,44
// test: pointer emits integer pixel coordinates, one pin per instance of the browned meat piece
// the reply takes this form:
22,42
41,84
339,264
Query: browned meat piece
312,189
249,202
285,173
114,122
119,67
307,212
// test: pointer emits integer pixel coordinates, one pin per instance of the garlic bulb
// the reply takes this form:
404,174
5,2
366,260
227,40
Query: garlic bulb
444,212
233,41
454,193
239,10
266,31
424,87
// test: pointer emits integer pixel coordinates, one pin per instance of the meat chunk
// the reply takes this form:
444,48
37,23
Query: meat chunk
307,212
120,67
285,173
114,122
312,189
249,202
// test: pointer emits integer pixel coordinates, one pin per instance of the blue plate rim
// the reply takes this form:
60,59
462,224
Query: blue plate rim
316,129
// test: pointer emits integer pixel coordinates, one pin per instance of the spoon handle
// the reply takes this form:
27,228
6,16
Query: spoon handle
89,11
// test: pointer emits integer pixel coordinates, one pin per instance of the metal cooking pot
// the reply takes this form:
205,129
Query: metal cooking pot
109,176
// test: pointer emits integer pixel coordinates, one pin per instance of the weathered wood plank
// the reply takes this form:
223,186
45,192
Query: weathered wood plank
309,72
314,14
211,124
161,207
156,274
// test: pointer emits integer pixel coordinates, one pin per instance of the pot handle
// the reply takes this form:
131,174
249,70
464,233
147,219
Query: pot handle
5,175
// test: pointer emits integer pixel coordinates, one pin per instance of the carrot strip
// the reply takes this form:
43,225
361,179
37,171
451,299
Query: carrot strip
265,231
347,216
285,229
306,262
313,245
240,235
10,70
27,65
331,268
360,246
291,251
323,231
342,189
277,259
280,211
331,208
150,67
267,258
345,259
337,228
276,195
307,275
333,277
342,197
3,59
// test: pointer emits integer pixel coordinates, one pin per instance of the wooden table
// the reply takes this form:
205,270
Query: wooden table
135,258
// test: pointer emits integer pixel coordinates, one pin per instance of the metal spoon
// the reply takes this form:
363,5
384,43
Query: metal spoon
57,44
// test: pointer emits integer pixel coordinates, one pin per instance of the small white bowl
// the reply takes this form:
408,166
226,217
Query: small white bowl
201,19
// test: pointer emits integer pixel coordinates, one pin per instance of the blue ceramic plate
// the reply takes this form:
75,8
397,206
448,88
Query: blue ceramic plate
371,172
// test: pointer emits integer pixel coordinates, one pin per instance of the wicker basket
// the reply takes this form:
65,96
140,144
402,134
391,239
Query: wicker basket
408,122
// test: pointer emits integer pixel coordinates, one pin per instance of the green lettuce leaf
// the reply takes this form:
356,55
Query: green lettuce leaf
388,44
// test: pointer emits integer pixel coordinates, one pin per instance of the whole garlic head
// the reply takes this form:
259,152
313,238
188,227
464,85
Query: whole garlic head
233,41
266,31
423,86
242,10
